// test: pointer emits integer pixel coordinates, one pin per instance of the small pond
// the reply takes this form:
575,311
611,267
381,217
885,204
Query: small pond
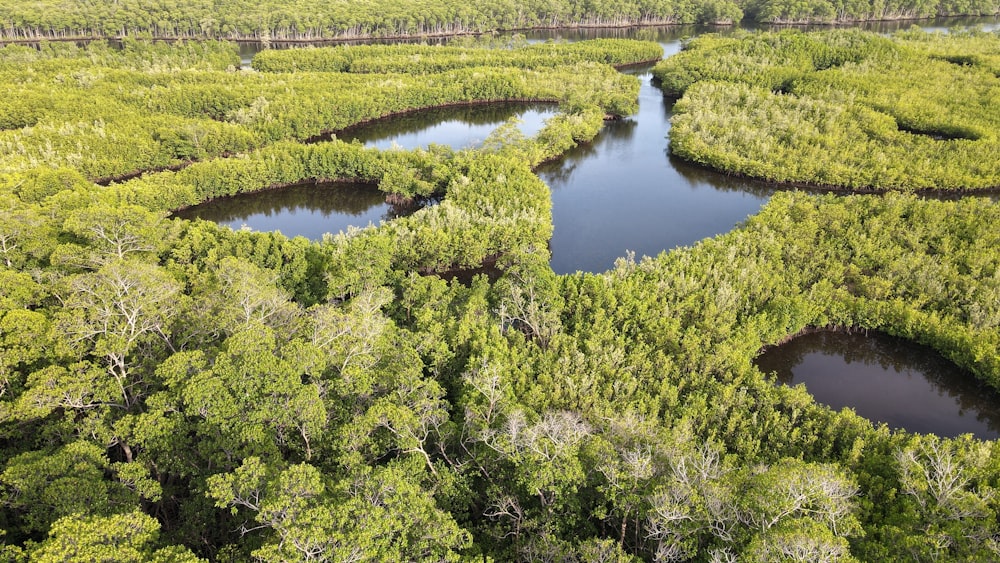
459,127
308,209
887,379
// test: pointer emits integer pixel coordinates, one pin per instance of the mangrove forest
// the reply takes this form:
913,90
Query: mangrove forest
428,388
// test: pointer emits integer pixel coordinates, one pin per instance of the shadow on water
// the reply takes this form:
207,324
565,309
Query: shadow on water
307,209
623,193
887,379
459,127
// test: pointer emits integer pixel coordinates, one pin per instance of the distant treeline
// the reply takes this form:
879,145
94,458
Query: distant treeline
351,19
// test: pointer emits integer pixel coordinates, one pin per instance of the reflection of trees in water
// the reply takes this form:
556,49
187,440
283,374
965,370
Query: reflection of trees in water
698,176
560,171
420,120
465,276
655,33
329,198
407,208
888,353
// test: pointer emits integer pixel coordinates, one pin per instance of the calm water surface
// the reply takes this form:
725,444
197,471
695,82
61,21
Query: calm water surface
458,127
308,210
624,193
886,379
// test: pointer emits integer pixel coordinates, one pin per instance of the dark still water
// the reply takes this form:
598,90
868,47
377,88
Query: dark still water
886,379
458,127
623,193
308,210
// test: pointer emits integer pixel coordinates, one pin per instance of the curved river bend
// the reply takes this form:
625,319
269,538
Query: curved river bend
618,194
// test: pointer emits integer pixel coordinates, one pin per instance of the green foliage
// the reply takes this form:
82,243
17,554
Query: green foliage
839,109
312,20
428,59
378,514
41,487
129,537
84,109
291,400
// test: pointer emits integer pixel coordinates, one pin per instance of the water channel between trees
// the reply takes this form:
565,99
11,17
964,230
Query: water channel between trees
622,193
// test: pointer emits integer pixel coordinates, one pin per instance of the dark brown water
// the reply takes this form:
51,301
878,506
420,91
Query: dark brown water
308,210
886,379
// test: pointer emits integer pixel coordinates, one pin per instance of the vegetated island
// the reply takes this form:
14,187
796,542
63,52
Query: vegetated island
173,390
841,109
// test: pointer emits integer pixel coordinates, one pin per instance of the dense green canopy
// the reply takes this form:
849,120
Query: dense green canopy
310,20
841,109
177,391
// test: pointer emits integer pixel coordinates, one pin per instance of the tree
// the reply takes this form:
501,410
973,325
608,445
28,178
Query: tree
115,232
44,486
131,537
944,480
22,232
252,400
120,313
378,513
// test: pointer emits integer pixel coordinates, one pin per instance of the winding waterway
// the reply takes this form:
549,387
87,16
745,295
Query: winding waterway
623,193
888,380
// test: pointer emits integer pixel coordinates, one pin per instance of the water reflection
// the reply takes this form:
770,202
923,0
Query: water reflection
888,380
309,210
459,127
622,193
